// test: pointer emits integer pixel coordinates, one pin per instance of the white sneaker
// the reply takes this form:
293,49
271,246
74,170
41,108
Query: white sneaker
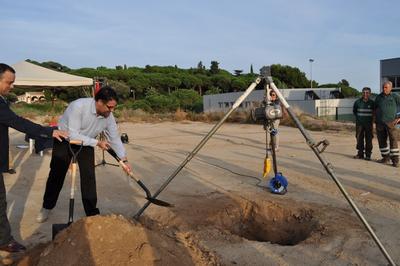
43,215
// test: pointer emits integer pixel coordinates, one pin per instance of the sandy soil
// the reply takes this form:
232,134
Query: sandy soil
223,213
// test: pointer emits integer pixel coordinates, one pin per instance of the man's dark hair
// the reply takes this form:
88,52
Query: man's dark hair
366,89
106,94
4,68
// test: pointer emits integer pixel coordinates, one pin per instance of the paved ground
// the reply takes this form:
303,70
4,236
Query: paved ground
228,166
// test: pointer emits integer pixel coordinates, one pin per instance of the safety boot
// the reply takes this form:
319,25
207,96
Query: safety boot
384,160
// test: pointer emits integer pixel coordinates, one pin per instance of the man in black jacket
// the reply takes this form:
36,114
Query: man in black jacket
9,119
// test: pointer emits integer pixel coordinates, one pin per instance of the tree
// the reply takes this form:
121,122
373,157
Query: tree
139,82
251,69
222,81
213,90
51,65
238,72
238,84
214,68
291,76
187,99
344,83
200,66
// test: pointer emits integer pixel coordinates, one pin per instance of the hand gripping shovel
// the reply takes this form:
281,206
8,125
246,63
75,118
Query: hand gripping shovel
56,228
148,194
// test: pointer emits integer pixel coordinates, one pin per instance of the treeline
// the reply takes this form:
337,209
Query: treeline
172,82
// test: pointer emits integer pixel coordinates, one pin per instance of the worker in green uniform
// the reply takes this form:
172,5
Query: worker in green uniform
363,110
385,111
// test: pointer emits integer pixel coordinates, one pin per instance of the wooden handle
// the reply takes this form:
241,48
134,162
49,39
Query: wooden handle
73,177
130,173
76,142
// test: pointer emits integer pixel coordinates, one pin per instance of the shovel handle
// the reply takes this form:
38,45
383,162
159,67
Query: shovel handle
123,165
130,173
73,178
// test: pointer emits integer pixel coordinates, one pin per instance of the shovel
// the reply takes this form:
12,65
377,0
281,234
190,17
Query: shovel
56,228
149,197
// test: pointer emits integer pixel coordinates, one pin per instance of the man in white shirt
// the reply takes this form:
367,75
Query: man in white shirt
84,119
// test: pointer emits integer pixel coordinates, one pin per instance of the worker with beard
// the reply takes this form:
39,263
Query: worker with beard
84,119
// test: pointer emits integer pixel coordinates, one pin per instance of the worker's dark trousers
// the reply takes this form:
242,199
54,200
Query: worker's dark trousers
364,132
5,230
384,131
59,164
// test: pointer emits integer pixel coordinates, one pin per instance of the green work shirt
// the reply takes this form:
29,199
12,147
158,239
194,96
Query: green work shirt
363,111
386,107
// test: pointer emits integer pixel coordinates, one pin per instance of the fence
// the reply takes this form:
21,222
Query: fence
338,113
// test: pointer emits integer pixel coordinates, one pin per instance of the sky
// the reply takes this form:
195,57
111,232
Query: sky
346,39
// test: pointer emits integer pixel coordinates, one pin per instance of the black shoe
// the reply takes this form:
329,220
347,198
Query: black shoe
358,156
9,171
384,160
367,158
395,164
13,246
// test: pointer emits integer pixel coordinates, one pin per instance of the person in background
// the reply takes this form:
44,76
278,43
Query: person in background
9,119
84,119
275,101
363,110
386,104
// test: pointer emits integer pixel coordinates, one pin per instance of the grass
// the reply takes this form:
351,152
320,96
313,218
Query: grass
46,111
39,109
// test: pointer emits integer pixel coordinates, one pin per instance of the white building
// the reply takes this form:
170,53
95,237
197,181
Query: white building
327,102
30,97
390,71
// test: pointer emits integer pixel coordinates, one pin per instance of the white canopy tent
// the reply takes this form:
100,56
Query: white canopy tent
29,74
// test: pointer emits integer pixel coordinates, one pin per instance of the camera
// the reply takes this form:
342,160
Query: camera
266,112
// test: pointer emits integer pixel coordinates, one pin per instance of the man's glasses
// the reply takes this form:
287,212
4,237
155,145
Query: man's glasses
110,107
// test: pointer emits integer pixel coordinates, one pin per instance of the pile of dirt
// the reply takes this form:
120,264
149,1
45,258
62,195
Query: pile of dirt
112,240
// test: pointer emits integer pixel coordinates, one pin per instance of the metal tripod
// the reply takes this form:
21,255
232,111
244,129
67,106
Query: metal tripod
103,161
317,148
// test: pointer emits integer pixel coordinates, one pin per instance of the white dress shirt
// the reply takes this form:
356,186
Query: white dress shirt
82,122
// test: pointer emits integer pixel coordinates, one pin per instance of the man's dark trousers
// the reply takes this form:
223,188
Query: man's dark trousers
5,229
59,164
364,132
384,131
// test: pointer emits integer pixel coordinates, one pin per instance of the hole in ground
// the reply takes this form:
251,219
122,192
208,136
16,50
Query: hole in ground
268,223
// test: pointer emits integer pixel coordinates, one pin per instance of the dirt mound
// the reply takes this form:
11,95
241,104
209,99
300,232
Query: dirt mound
112,240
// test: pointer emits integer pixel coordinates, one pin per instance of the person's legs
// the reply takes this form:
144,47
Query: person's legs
276,126
381,133
59,164
368,141
394,148
5,229
360,141
88,181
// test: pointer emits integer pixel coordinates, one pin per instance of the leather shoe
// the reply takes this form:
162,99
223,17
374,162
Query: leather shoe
13,246
384,160
43,215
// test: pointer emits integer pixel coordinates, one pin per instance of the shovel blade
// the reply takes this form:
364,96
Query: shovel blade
57,228
159,202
